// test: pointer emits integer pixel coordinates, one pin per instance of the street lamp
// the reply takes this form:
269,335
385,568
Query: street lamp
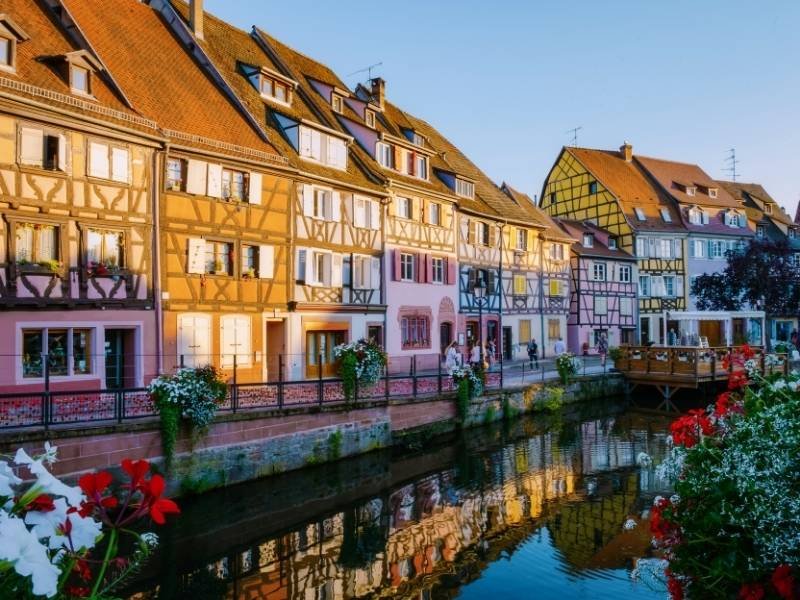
479,293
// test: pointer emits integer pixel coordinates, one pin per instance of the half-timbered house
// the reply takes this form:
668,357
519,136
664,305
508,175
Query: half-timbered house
225,193
336,220
611,190
77,170
603,294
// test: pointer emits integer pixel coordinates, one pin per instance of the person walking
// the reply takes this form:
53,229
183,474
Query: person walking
559,348
533,353
491,352
602,349
451,357
475,357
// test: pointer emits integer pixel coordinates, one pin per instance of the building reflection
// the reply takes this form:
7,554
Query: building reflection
581,482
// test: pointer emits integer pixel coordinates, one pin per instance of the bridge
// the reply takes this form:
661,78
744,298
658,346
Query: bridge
671,368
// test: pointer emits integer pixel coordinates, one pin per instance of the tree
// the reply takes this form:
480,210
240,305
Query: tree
762,275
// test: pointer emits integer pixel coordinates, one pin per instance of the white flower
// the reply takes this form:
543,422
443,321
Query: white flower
793,385
643,460
7,479
674,499
46,483
150,539
657,500
50,452
47,525
29,557
629,524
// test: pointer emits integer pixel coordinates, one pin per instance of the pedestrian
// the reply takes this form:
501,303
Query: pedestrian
559,348
672,337
602,348
491,352
451,357
475,357
533,353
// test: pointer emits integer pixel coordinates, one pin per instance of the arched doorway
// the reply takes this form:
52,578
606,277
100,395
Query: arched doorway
445,334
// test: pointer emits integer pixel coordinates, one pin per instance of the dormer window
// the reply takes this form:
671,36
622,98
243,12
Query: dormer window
639,214
768,209
77,69
275,89
79,81
323,148
10,35
792,233
733,219
6,53
465,189
691,190
336,103
712,192
612,243
666,216
698,217
592,187
417,139
588,240
369,118
384,154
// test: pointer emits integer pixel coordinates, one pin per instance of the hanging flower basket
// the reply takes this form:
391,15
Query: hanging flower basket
361,364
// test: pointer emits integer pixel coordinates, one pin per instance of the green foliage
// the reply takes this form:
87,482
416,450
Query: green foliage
463,399
360,363
335,445
170,420
489,414
551,398
510,412
567,365
614,353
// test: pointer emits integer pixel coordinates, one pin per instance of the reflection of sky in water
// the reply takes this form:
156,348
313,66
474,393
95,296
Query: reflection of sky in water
538,516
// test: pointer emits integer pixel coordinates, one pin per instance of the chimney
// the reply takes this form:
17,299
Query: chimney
626,150
378,91
196,18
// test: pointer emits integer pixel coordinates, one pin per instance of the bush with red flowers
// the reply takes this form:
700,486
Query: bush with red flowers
732,529
58,541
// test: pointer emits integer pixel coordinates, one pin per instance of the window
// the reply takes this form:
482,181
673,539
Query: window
524,331
665,248
697,248
6,53
553,329
760,231
366,213
669,285
644,285
691,190
592,187
79,80
369,118
417,139
46,149
555,287
600,305
624,274
407,267
421,167
712,192
36,243
588,240
557,251
414,332
404,207
520,285
249,261
792,233
234,185
323,148
322,203
218,258
437,270
435,213
552,197
336,103
384,154
105,248
768,209
522,239
666,216
274,90
612,243
69,352
599,271
626,307
176,175
482,233
235,341
465,189
639,214
320,360
108,162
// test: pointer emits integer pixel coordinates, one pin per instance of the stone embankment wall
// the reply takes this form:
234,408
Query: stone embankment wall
246,446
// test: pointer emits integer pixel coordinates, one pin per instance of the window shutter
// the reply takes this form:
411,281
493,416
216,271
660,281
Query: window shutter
419,268
470,231
678,253
31,146
359,212
705,218
375,272
679,286
119,165
98,160
452,273
472,279
214,180
709,249
227,340
375,214
428,268
305,142
652,248
62,152
186,335
254,192
336,207
301,265
316,145
415,208
336,270
492,235
308,200
397,270
196,176
196,257
397,158
490,282
266,262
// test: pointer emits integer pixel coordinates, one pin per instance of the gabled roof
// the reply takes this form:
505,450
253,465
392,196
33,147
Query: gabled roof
671,175
753,196
632,188
162,81
599,249
538,217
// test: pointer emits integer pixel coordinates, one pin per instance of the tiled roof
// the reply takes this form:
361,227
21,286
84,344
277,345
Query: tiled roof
599,248
161,79
747,192
668,173
631,186
552,230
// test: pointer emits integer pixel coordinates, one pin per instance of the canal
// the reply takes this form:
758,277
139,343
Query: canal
535,508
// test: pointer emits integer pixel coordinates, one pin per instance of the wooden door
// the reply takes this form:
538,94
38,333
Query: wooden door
713,331
319,352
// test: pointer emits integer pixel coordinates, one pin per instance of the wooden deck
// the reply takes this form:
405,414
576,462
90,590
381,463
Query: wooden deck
669,369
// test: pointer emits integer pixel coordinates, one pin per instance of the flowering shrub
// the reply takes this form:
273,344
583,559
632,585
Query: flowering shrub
360,363
733,527
471,376
60,541
191,394
567,365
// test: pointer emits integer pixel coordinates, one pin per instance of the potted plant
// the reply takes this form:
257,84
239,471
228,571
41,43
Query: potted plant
567,365
249,273
616,355
360,363
50,265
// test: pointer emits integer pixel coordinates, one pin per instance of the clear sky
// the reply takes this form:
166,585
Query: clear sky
680,79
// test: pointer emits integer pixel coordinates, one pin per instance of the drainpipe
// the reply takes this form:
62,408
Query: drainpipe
541,298
501,349
156,187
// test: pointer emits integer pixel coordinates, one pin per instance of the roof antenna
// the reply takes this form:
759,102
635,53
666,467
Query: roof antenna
367,70
732,162
574,131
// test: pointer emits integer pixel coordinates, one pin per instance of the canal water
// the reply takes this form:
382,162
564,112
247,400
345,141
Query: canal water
534,509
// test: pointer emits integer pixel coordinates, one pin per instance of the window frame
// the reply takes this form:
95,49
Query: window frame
122,246
407,267
228,261
230,173
407,202
420,326
437,270
522,240
592,188
274,85
69,351
641,287
369,118
46,163
595,306
34,263
184,167
599,271
435,208
384,151
464,188
110,147
337,103
520,282
73,68
627,270
11,64
252,271
588,240
640,216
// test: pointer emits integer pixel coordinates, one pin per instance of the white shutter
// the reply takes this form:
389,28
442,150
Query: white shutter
235,340
98,160
196,175
375,273
359,212
302,266
679,286
266,262
214,183
31,147
336,207
375,214
357,271
194,340
316,145
227,342
62,152
336,271
678,248
308,200
255,188
243,339
705,217
196,258
186,345
119,165
305,142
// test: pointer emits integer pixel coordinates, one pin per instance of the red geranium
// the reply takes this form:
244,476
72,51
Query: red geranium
93,485
156,505
737,380
136,470
751,591
784,583
42,503
725,405
686,430
674,588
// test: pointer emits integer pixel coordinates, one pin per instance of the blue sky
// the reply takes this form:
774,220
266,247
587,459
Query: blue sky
505,80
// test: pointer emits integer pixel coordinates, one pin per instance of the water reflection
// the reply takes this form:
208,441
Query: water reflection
522,511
